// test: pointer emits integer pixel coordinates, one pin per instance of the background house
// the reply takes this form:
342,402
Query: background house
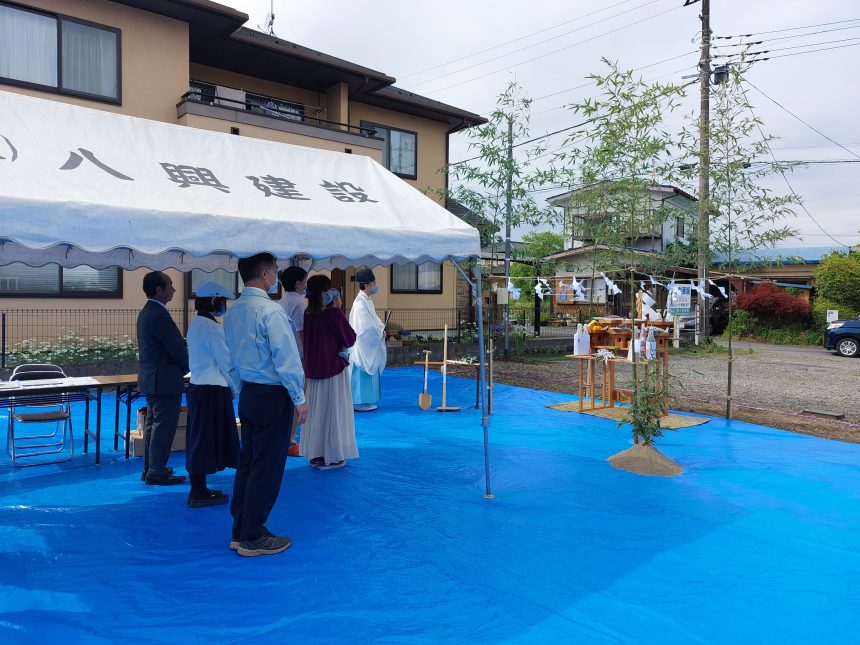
785,267
193,63
585,256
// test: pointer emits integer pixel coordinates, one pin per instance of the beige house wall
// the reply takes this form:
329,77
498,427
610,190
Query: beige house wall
431,141
155,73
153,55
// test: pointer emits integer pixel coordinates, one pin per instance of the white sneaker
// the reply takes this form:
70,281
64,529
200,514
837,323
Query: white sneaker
368,407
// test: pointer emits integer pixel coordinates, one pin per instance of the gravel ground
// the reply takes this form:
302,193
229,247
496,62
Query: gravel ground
772,385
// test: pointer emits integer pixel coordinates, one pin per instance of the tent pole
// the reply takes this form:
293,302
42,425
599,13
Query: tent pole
482,375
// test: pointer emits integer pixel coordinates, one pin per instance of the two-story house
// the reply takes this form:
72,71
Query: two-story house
193,63
585,257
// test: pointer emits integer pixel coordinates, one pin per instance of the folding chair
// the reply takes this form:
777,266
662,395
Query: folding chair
51,409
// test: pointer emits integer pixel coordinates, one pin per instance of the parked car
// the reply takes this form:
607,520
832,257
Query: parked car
843,336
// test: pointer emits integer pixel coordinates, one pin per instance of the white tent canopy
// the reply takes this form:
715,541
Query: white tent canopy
82,186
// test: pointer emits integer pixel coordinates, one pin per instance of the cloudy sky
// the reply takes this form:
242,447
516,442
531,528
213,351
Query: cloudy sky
465,52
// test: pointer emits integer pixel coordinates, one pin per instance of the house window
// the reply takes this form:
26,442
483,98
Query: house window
679,228
56,52
228,279
416,278
17,280
399,150
275,107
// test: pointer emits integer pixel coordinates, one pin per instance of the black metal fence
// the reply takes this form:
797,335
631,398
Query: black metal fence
70,337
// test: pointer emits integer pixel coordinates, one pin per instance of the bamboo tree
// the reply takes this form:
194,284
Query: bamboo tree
498,183
746,215
625,150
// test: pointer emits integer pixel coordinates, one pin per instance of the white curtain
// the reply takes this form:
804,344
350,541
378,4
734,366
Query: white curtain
89,60
28,46
403,277
402,152
429,277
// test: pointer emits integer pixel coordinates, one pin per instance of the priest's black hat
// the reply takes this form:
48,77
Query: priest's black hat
364,276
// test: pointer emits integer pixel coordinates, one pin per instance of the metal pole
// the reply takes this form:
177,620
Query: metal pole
704,160
3,341
485,416
507,238
482,377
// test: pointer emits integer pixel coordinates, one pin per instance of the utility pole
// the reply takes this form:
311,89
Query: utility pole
704,164
510,171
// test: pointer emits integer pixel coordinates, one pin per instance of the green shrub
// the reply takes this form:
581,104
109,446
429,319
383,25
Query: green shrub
838,279
742,324
819,312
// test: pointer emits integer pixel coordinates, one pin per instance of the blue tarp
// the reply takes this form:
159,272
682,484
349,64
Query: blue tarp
757,541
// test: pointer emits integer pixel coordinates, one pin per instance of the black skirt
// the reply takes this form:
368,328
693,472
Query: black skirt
212,440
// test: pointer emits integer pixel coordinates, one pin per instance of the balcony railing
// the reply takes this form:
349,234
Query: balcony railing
268,107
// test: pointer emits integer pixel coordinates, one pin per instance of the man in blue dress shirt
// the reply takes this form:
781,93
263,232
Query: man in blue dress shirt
264,352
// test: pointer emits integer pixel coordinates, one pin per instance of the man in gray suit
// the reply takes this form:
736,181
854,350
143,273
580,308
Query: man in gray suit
163,365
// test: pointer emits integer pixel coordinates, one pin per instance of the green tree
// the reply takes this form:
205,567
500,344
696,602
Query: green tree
838,279
611,171
498,183
537,246
745,215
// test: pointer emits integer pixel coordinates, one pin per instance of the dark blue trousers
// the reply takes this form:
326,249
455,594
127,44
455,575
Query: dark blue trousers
159,430
266,413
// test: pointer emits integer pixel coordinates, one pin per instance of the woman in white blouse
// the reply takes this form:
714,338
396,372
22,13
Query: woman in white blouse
212,440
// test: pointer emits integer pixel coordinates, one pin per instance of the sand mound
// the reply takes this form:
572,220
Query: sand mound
645,460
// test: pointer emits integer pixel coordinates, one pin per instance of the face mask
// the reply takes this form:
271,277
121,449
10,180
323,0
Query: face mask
220,312
373,290
273,288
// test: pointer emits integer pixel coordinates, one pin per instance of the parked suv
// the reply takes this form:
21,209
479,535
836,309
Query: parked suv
844,337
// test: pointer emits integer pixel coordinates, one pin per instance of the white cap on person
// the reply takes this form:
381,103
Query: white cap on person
211,289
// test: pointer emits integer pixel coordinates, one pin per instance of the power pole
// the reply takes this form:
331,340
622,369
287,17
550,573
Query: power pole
704,163
510,171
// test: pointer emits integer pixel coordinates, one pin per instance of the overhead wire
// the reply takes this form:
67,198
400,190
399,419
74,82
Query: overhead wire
535,33
777,31
782,171
778,49
781,38
808,125
556,51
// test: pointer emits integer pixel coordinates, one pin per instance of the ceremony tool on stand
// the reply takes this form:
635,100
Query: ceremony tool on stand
444,407
424,399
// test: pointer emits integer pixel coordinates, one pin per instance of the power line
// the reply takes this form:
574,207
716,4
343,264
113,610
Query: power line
779,31
556,51
780,38
535,33
779,49
811,127
757,60
638,69
522,143
567,33
782,171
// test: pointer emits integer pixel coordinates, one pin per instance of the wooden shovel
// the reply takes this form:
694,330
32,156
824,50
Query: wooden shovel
424,399
444,407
